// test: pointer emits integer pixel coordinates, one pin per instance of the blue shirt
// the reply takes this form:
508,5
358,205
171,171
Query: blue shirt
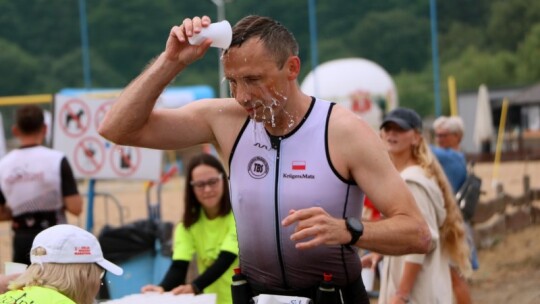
453,164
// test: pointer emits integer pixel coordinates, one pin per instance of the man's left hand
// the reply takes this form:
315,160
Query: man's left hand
317,226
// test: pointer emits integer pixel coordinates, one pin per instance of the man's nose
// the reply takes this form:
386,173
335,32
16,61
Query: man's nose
242,94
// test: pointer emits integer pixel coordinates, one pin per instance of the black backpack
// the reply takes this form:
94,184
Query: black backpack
469,194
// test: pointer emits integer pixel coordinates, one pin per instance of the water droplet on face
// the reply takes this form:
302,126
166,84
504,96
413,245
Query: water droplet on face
268,103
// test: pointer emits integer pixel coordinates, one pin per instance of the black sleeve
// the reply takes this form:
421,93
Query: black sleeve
176,275
69,185
216,270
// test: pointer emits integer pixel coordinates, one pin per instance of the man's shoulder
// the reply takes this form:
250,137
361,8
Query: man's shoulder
342,114
43,150
447,152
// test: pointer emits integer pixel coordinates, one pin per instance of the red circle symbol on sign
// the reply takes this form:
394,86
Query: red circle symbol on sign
101,111
125,160
74,118
89,155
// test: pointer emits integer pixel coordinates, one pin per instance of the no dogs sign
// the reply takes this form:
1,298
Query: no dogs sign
75,124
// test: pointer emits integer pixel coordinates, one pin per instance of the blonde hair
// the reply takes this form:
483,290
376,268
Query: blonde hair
79,282
452,231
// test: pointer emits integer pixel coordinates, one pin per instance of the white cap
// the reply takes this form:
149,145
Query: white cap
66,244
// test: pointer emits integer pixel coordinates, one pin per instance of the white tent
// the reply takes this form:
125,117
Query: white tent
483,123
355,83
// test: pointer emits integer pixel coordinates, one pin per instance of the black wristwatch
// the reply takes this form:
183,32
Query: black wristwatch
355,227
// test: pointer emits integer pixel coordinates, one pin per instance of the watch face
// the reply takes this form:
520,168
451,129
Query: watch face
355,224
356,229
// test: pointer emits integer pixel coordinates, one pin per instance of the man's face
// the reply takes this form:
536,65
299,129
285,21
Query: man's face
447,139
255,80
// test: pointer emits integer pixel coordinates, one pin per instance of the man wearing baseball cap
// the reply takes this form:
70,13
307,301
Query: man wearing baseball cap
67,268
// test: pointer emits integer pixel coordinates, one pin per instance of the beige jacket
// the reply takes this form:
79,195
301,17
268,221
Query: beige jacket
433,284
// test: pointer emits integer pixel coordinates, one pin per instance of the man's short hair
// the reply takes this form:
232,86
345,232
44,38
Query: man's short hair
29,119
453,124
277,39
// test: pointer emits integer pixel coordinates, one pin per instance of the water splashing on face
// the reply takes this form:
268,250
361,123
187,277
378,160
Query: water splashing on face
291,118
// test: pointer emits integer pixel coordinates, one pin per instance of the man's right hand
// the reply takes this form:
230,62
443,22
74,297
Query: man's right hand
178,47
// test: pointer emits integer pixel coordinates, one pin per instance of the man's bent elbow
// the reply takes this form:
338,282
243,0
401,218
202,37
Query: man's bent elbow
112,135
106,132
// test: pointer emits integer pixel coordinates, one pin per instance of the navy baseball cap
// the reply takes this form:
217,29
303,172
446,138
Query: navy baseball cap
405,118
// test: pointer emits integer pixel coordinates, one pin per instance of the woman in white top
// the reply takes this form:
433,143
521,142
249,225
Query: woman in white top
421,278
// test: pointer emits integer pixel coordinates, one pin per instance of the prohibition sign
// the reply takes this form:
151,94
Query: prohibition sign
125,160
101,111
89,155
74,118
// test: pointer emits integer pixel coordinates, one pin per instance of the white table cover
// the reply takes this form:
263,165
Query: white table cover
164,298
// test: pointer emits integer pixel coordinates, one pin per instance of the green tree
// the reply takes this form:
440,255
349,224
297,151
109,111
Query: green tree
396,39
41,27
459,37
528,56
415,90
510,21
474,67
67,71
18,69
470,13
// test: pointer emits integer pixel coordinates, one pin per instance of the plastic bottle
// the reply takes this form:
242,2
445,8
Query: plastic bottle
240,290
327,292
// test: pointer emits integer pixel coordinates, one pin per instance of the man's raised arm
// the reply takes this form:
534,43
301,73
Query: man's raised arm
131,120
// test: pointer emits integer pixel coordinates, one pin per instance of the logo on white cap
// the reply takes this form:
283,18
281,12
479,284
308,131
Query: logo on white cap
66,244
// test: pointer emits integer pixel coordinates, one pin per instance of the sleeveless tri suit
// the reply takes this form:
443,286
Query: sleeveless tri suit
270,176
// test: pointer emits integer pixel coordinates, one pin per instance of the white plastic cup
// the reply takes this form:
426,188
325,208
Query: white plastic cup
14,268
368,277
219,32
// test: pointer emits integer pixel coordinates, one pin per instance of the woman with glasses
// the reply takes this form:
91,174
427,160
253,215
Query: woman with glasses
207,230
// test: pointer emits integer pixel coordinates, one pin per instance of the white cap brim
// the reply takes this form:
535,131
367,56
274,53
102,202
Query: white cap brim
110,267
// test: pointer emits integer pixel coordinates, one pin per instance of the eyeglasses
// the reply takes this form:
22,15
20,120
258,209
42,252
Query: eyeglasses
212,182
442,134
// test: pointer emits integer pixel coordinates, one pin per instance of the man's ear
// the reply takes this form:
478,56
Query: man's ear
44,129
15,131
293,67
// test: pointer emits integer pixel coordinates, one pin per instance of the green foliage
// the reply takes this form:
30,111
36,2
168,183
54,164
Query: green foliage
528,56
459,37
41,27
480,41
475,67
396,39
415,91
18,69
510,21
470,13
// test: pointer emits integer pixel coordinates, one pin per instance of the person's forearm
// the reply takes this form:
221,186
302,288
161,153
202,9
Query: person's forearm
175,276
133,107
398,235
408,278
215,271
